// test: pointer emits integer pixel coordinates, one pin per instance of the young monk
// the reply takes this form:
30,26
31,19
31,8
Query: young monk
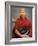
22,22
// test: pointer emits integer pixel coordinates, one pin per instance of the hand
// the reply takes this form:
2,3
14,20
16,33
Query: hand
23,36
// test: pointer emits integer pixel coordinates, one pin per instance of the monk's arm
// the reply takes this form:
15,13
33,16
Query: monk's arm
30,31
16,28
18,33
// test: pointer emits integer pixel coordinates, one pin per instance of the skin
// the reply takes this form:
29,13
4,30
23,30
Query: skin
22,15
18,33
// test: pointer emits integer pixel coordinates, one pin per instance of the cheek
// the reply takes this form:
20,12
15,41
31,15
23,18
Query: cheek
22,13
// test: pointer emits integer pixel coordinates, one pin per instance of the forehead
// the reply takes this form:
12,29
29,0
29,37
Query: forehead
22,10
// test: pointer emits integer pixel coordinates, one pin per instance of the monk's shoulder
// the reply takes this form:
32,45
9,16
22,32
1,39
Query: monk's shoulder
18,20
28,22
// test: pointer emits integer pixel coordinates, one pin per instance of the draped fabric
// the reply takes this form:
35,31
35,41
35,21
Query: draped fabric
23,25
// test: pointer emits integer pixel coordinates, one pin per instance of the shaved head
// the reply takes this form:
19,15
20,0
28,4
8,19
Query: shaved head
22,12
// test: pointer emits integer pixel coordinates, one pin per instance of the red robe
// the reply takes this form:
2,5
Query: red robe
24,22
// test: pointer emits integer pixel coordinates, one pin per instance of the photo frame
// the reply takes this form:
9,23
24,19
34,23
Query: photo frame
11,9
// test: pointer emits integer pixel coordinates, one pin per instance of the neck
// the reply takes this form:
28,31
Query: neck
22,17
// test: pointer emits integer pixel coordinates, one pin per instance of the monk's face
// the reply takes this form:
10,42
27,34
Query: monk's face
22,12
